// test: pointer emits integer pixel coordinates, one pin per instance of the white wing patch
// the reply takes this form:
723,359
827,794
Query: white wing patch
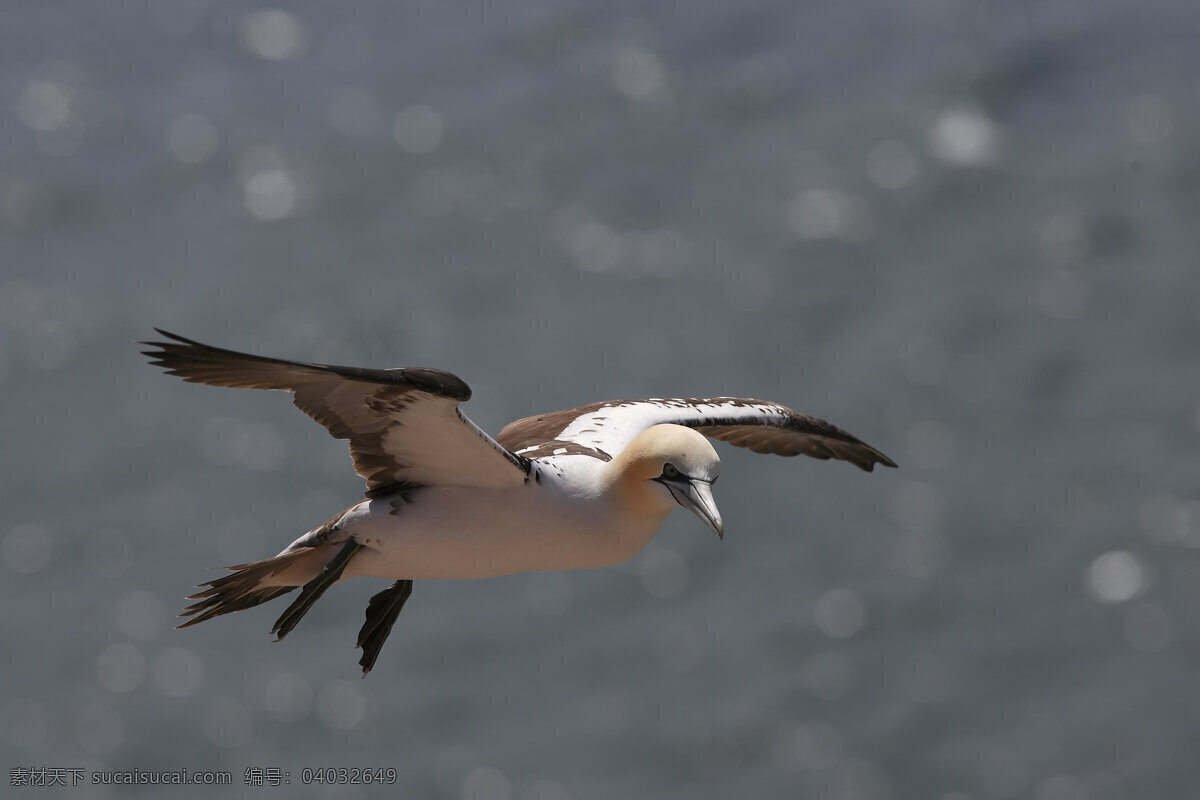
437,445
612,427
605,429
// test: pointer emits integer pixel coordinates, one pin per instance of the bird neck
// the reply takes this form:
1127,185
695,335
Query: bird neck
626,482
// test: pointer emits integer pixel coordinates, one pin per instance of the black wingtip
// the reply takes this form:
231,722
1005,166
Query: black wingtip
161,345
880,459
169,335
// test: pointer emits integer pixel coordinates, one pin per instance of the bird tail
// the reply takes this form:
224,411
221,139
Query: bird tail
247,586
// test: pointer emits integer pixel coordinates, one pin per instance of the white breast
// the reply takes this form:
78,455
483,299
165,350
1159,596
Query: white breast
453,532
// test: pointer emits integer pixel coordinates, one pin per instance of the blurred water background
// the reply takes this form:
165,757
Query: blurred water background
964,230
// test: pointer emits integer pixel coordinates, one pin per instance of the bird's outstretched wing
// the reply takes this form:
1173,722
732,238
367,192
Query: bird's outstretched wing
404,425
603,430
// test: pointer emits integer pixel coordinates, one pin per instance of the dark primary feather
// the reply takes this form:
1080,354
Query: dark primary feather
795,434
197,362
369,407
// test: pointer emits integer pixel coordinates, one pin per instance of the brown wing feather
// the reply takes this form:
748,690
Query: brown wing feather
393,418
197,362
790,442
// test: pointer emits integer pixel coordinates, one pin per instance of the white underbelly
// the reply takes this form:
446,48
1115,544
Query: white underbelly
451,532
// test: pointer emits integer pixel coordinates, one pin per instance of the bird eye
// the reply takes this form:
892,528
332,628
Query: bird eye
670,473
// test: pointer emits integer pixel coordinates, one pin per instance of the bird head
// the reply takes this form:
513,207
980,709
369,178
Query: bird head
672,464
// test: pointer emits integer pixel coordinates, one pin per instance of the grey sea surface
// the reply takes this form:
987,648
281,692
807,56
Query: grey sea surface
966,231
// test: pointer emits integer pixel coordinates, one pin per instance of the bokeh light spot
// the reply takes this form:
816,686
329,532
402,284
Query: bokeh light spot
177,672
140,615
23,723
418,129
288,697
192,138
638,74
121,668
663,573
545,789
487,783
810,746
839,613
99,729
341,705
270,195
1167,519
27,548
964,137
830,214
45,105
274,35
1063,238
1116,576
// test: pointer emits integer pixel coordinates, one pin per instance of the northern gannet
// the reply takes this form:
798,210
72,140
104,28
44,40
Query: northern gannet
585,487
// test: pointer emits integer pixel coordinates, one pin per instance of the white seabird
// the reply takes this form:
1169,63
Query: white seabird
585,487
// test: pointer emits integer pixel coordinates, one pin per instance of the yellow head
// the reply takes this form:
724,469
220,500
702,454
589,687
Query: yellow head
667,465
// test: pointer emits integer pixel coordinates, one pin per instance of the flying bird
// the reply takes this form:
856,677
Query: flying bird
585,487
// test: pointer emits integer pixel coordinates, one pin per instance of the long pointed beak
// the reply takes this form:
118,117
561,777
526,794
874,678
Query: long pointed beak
696,496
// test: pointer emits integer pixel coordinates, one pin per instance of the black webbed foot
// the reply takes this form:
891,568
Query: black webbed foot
382,611
314,589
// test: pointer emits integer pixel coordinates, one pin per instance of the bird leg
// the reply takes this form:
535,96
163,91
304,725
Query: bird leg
313,590
382,611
